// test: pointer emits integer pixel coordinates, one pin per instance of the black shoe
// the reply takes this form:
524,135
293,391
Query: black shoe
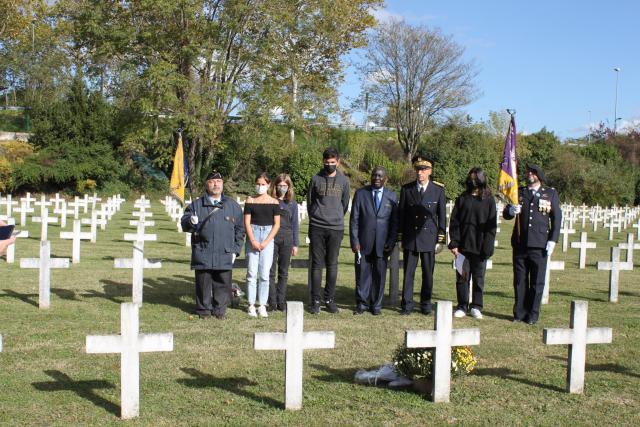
272,307
314,308
376,312
516,320
405,312
425,312
358,310
281,307
331,306
532,321
220,316
204,316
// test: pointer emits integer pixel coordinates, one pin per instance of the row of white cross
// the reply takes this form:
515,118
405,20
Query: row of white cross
130,343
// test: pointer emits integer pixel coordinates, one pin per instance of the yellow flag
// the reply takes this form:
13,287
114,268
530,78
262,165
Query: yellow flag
177,175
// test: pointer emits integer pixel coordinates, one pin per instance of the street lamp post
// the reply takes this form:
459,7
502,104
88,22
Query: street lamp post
615,105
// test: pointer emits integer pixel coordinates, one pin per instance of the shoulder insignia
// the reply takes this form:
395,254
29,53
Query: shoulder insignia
439,184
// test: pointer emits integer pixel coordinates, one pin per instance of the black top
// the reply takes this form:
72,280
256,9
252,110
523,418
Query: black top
262,213
472,228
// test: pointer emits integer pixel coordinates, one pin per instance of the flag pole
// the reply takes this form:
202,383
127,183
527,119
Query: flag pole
512,114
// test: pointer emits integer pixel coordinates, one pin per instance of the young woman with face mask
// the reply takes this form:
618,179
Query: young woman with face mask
262,222
472,233
285,243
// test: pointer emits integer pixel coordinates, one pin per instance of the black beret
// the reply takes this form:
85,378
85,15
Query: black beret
536,169
214,175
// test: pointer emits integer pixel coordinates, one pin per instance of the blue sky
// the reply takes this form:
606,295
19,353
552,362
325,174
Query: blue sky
550,60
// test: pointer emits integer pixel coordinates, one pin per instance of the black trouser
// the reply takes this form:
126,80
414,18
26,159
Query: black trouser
213,291
478,266
371,275
410,262
325,247
529,267
281,260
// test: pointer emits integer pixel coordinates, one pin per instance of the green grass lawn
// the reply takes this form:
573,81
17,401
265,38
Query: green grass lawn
214,377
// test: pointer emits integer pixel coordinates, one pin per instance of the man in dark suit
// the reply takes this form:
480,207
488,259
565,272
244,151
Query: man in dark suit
373,231
422,217
535,233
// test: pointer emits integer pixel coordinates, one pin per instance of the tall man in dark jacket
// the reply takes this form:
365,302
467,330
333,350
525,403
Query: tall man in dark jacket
218,233
536,231
422,214
327,203
373,230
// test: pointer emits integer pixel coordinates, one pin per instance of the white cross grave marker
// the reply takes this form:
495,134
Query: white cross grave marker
294,341
45,263
24,209
45,220
76,236
629,247
583,245
637,225
565,231
578,336
615,266
94,222
138,263
129,344
11,249
441,339
551,265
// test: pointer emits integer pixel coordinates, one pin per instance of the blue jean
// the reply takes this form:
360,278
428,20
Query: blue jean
259,265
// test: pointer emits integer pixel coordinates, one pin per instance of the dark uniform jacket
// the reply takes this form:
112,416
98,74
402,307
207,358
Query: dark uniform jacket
370,229
539,220
421,219
214,243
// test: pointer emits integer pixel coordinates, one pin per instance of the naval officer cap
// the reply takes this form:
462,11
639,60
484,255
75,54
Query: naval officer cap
421,163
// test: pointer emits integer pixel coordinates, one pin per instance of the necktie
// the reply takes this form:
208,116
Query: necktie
376,199
421,191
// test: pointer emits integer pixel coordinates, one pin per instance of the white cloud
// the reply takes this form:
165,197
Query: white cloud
385,15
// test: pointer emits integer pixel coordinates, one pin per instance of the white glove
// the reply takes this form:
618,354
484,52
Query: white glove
550,247
194,219
514,209
233,258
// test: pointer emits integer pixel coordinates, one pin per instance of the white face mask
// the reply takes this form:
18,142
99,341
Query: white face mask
261,189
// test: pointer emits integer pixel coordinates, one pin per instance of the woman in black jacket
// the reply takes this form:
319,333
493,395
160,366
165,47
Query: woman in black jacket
472,233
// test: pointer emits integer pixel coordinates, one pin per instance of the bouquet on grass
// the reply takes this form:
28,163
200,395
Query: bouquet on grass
417,363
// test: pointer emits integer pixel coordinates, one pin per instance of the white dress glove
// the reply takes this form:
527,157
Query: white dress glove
194,219
550,247
233,258
514,209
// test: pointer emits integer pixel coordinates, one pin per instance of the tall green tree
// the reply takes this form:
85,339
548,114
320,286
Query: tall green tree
417,74
307,40
75,140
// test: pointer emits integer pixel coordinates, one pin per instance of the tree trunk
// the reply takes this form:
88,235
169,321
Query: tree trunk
294,85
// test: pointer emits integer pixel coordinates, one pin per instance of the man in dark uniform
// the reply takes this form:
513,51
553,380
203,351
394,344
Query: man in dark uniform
218,232
422,218
535,233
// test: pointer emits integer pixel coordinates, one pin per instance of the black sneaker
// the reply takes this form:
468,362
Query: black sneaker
331,306
315,308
